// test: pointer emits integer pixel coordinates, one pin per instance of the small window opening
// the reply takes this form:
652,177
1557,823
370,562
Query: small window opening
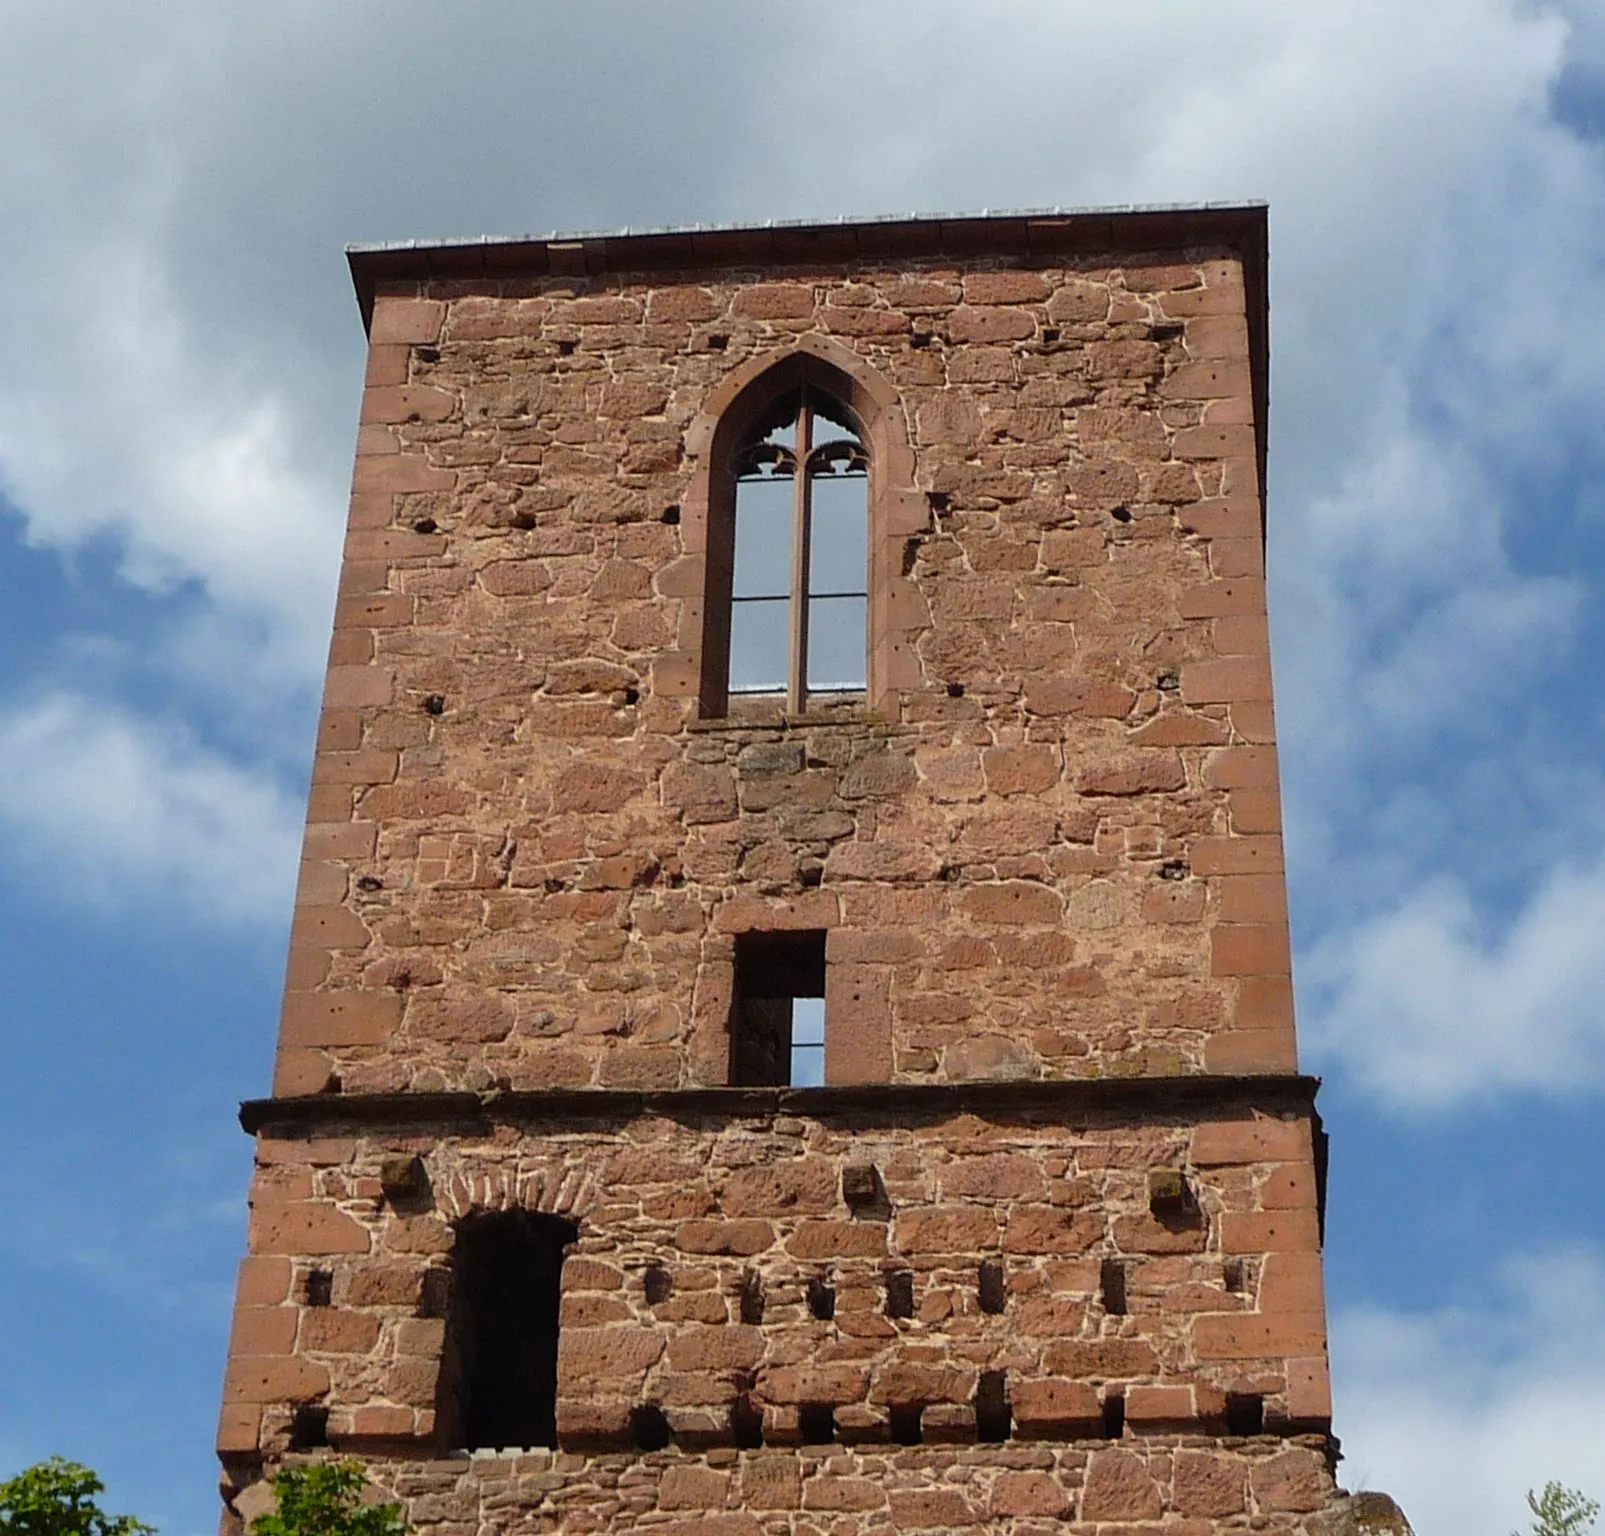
821,1299
657,1283
900,1293
777,1025
816,1423
649,1428
670,514
309,1427
993,1420
751,1297
1245,1413
319,1287
905,1423
746,1424
1114,1416
1232,1275
499,1377
434,1293
565,348
800,590
993,1294
1112,1287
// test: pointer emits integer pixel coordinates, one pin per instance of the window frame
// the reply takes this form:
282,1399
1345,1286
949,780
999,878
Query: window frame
773,971
801,595
750,391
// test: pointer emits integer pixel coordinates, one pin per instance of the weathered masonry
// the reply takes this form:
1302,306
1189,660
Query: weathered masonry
789,1024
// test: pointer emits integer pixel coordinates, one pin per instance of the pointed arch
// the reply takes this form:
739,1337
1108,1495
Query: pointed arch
746,397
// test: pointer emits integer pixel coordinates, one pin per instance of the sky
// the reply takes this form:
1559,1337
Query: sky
178,393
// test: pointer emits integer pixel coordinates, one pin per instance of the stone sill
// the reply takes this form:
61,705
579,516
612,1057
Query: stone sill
766,712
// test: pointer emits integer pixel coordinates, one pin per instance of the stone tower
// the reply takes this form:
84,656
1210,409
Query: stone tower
788,1025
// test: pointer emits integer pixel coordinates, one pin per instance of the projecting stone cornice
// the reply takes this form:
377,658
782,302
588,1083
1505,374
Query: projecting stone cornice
872,1104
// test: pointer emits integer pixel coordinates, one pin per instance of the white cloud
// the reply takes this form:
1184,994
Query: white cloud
1428,1005
1457,1413
121,812
120,426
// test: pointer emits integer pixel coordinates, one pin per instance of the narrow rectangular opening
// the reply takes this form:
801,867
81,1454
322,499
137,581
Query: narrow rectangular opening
905,1423
821,1298
657,1283
1232,1276
993,1294
1114,1416
816,1423
1112,1287
993,1419
1245,1413
746,1424
900,1293
318,1288
777,1018
751,1297
309,1428
649,1428
499,1374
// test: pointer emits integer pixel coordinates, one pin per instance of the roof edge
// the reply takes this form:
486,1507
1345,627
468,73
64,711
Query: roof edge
1243,226
776,242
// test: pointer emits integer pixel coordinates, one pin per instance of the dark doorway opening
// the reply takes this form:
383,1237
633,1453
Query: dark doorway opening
499,1376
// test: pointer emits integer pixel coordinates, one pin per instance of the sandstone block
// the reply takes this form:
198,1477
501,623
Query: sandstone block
339,1018
693,1488
1028,1493
1119,1487
1295,1480
932,1508
1054,1408
952,1229
306,1227
405,320
1209,1484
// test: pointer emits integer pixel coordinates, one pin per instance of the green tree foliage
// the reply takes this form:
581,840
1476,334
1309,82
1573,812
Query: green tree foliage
1560,1511
57,1498
325,1499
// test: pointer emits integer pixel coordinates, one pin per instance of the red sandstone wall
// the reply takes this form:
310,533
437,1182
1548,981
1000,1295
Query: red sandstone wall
710,1199
1074,869
1203,1486
1047,845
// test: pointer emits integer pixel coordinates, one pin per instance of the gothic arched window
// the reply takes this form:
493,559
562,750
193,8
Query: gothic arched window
799,598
